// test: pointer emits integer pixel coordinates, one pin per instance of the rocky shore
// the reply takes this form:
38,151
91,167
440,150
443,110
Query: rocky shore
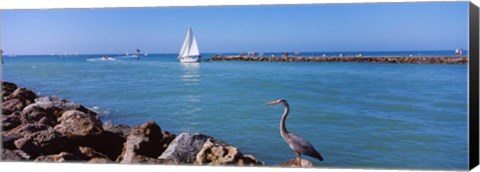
399,59
51,129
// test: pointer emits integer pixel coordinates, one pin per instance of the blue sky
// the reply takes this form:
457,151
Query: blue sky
278,28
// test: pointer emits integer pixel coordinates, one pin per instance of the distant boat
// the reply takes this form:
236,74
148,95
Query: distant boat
189,52
106,58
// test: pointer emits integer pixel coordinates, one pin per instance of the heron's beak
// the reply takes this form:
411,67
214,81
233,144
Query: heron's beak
272,103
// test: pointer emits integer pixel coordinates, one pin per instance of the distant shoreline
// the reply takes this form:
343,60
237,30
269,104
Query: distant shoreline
366,59
378,53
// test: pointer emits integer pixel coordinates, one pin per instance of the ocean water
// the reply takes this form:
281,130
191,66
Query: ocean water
357,115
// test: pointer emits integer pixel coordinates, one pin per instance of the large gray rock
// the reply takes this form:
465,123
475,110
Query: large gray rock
216,154
144,140
14,155
74,123
185,147
56,106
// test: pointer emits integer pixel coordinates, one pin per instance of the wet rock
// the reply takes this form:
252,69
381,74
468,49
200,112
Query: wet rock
121,129
11,121
185,147
143,140
56,106
216,154
61,157
14,155
12,105
23,94
74,123
7,89
43,142
294,163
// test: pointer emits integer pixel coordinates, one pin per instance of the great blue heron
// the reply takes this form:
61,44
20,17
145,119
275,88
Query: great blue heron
298,144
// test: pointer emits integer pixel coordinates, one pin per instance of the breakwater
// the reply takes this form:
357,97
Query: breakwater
372,59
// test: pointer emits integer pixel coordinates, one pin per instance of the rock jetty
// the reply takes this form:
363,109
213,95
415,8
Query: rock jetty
52,129
399,59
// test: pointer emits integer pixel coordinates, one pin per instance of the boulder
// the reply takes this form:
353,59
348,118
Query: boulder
185,147
56,106
12,105
86,130
28,129
293,163
166,140
46,120
10,122
140,159
39,115
14,155
7,89
100,160
74,123
107,143
217,154
43,142
143,140
23,94
88,153
61,157
8,140
121,129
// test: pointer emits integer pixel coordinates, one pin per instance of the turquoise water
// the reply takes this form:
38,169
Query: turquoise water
358,115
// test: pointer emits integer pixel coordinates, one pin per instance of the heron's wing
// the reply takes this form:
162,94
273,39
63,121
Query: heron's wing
303,146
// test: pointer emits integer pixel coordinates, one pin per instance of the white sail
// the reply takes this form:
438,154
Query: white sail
189,47
189,51
193,47
184,50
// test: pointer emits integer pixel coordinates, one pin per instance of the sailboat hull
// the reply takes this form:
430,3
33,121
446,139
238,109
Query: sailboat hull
190,59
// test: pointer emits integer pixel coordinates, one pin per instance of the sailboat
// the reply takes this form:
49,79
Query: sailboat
189,52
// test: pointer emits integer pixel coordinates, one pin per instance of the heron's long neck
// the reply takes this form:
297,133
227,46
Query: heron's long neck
283,129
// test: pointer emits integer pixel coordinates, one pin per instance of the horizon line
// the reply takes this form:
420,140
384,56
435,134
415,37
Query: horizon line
347,51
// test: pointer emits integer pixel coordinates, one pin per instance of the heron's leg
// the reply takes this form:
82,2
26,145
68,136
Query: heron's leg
299,159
